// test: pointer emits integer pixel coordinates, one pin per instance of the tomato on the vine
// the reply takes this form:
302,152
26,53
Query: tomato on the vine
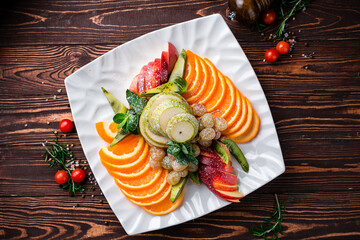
61,177
78,175
271,55
283,47
269,16
66,125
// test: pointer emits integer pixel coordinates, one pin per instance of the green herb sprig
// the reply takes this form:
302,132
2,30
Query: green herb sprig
271,226
129,121
57,155
296,5
182,152
284,10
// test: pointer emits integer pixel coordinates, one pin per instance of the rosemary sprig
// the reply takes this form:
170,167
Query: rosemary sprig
284,9
295,7
57,155
272,225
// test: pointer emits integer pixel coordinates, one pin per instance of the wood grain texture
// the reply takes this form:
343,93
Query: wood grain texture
306,218
315,104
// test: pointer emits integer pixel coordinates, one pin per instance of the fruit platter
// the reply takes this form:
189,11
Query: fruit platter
176,130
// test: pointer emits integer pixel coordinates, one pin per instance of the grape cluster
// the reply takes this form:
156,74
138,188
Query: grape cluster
210,128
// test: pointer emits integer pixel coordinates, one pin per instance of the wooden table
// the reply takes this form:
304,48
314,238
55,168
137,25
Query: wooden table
315,103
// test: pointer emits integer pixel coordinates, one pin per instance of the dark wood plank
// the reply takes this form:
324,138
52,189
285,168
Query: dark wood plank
83,22
335,69
307,217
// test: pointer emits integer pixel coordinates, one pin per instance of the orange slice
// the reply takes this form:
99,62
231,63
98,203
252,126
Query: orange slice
236,113
165,206
204,81
149,191
127,145
241,121
163,194
107,130
190,70
131,166
197,82
107,155
213,82
144,181
251,132
247,124
227,104
219,95
140,170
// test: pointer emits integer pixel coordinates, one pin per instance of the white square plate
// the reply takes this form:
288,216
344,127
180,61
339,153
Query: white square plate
208,37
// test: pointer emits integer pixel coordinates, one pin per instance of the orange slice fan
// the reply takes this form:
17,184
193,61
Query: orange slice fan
128,163
208,86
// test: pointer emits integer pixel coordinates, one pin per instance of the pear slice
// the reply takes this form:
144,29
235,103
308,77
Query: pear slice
149,136
182,127
164,112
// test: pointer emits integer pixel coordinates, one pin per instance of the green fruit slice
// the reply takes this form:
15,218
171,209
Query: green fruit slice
179,85
177,189
164,112
116,105
179,67
182,127
148,135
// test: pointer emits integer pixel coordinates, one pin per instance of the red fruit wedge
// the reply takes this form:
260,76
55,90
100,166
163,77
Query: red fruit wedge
230,194
155,75
148,74
231,200
172,57
164,65
134,84
220,176
225,187
141,80
205,177
216,163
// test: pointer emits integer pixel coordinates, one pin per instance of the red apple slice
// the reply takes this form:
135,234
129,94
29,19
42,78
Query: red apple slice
164,67
231,200
141,80
134,84
155,76
148,71
172,57
225,187
220,176
230,194
216,163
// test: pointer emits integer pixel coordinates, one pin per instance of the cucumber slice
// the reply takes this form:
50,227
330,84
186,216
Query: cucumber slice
177,189
164,112
179,68
182,127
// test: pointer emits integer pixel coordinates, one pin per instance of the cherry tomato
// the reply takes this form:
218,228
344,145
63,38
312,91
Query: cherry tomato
66,125
61,177
78,175
269,16
271,55
283,47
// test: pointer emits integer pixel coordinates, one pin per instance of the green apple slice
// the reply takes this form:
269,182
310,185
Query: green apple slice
182,127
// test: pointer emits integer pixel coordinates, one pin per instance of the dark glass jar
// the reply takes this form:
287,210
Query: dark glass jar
247,11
